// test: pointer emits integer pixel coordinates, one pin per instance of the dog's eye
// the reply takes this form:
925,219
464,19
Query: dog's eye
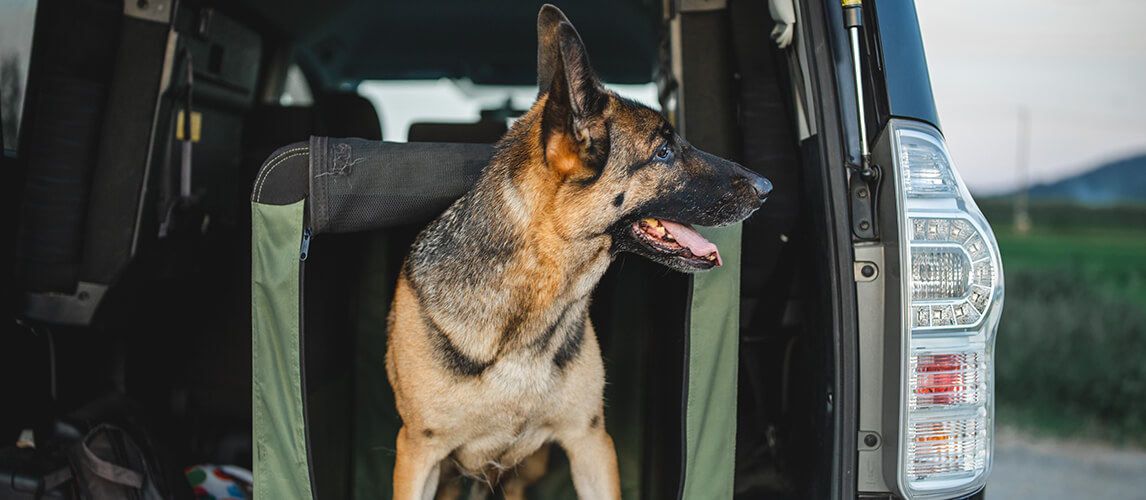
664,152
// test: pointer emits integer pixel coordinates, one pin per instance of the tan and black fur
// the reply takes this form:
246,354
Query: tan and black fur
491,354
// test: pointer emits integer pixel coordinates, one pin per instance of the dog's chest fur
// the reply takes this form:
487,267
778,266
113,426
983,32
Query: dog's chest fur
519,402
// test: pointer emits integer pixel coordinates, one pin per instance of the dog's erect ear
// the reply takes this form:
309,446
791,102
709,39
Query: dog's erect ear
562,61
572,130
548,46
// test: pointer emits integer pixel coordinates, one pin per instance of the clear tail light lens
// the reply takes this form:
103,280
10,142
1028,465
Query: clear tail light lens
945,448
952,295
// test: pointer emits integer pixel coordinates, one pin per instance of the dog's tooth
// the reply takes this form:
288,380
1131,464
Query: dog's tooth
667,235
711,256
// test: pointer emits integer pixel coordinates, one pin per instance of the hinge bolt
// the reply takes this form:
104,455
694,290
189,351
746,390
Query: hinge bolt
870,440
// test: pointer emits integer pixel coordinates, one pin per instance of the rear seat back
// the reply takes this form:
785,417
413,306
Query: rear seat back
481,132
344,114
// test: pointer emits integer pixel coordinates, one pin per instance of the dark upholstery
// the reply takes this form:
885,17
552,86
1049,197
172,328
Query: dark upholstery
348,115
482,132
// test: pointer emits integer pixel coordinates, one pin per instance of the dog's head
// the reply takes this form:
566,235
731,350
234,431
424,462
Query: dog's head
620,166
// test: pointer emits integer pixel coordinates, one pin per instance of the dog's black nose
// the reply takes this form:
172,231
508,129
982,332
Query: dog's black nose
762,186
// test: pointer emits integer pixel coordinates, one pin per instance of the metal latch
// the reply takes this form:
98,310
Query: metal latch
304,247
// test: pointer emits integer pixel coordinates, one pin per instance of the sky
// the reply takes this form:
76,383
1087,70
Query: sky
1079,68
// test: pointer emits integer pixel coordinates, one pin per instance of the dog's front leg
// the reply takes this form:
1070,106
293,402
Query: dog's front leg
594,464
416,468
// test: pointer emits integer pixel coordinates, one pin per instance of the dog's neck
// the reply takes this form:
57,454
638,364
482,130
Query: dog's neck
496,275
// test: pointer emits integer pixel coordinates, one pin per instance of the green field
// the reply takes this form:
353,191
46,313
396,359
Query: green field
1112,260
1072,340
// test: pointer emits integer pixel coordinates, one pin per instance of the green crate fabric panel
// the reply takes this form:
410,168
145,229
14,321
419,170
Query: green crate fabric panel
710,429
281,471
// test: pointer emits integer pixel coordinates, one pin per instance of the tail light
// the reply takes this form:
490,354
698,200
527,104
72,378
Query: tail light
952,291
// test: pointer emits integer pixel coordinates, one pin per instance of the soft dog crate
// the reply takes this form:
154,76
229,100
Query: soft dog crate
324,424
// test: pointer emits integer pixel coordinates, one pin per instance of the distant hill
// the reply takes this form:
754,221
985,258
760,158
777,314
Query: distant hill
1122,181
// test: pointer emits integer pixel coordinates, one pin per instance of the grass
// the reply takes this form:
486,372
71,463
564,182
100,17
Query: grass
1071,352
1072,339
1111,260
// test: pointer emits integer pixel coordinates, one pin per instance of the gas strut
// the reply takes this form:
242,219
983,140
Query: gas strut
863,188
853,20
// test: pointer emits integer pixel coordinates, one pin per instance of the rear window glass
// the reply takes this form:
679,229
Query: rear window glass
17,17
401,103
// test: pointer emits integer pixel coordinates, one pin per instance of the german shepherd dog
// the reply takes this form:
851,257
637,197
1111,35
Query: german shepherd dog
490,353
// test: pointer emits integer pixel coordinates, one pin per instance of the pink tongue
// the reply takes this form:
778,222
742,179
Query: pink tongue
692,240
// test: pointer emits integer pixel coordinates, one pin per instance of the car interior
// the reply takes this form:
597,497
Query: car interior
131,257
